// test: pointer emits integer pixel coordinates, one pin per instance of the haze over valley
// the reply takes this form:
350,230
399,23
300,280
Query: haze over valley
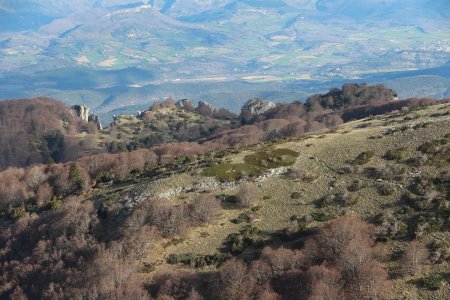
224,149
125,55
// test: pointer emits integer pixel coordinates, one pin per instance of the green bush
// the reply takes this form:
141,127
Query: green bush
320,216
446,139
355,185
429,147
395,154
197,260
363,158
390,227
17,212
296,195
385,188
440,251
244,217
237,242
256,208
105,177
433,281
56,203
302,222
343,199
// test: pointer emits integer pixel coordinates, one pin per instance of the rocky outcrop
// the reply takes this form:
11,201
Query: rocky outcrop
80,112
185,104
96,120
256,107
205,108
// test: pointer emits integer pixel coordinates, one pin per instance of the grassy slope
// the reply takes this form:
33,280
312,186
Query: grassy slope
322,154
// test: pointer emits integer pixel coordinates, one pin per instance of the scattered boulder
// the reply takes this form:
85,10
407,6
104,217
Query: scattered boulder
205,108
256,107
185,104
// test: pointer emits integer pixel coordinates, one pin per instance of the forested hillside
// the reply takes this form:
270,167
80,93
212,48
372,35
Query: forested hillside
356,210
43,130
38,131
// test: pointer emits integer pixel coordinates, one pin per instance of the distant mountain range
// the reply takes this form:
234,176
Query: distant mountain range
113,54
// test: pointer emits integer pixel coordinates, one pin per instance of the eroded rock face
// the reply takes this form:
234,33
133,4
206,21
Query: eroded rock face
80,112
256,107
96,120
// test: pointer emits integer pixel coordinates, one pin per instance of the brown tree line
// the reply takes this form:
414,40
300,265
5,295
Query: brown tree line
340,261
41,130
36,130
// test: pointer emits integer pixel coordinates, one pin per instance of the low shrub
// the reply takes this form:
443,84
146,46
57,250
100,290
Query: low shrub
226,172
17,212
355,185
301,174
195,260
421,184
350,169
105,177
418,161
446,139
301,222
391,172
389,227
254,165
363,158
385,188
433,281
244,217
429,147
395,154
421,203
440,251
343,199
237,242
295,195
321,216
428,222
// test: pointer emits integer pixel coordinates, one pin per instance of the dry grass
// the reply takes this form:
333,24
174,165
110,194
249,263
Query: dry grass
323,155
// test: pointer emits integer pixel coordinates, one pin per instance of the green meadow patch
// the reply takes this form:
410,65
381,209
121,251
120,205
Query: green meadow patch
254,164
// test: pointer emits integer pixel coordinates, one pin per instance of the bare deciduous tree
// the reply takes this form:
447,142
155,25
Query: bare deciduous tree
34,177
247,195
232,281
205,208
413,259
